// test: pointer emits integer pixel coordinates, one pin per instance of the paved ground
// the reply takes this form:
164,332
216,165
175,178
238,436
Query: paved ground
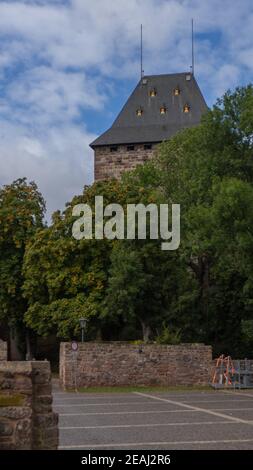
171,420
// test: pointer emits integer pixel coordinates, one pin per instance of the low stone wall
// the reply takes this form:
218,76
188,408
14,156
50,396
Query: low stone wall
26,417
3,350
117,363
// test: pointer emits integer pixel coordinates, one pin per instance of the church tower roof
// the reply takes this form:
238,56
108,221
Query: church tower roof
159,107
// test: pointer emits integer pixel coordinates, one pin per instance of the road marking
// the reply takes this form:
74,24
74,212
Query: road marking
233,409
196,399
103,404
150,412
216,401
154,425
142,444
74,399
204,410
90,398
146,402
234,393
127,412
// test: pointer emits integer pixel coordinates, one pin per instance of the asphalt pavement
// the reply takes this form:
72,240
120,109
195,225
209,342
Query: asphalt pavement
158,421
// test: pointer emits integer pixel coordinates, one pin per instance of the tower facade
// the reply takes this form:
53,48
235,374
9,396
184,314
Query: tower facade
159,107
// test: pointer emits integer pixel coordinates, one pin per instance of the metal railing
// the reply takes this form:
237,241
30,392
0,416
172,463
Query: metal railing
230,373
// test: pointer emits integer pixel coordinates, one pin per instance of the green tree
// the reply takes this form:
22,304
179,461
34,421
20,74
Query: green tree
146,285
141,284
204,289
66,279
21,214
110,282
208,170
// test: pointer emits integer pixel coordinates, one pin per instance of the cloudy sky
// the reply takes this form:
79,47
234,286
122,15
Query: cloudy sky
67,67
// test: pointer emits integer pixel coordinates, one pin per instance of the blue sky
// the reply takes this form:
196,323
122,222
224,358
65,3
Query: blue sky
67,67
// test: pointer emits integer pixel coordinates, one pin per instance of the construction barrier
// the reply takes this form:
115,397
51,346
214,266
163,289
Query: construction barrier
230,373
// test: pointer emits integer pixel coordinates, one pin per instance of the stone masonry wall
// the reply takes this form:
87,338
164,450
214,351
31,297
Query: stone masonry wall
26,417
118,363
112,164
3,350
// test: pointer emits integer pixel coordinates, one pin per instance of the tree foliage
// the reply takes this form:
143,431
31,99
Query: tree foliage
208,170
131,289
65,279
21,214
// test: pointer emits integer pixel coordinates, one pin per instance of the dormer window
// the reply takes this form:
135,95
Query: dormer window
187,108
153,92
163,110
139,112
177,91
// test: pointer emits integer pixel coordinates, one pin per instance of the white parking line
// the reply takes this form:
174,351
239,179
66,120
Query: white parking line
103,404
193,399
128,412
232,409
151,412
204,410
216,401
89,398
152,425
234,393
102,396
162,443
147,402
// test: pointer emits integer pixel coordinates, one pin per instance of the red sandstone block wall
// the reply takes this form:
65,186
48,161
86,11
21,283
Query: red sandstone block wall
119,364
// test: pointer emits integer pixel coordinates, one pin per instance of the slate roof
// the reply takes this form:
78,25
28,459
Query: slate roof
152,126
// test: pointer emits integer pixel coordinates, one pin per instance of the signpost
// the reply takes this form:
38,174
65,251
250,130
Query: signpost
74,348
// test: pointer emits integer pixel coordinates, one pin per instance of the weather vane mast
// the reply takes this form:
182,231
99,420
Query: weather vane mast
192,65
142,71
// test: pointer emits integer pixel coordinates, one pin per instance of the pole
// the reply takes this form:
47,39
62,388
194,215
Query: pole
141,55
192,48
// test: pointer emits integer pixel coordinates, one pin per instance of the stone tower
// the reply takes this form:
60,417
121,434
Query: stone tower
159,107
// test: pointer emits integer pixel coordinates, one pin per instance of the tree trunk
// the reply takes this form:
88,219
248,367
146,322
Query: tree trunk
29,354
146,331
200,267
15,353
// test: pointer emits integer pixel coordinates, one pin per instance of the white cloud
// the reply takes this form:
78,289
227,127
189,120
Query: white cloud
51,96
59,160
59,58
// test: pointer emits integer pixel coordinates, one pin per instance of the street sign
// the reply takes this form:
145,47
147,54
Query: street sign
74,346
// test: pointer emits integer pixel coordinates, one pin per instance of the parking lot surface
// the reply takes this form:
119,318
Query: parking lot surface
151,420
